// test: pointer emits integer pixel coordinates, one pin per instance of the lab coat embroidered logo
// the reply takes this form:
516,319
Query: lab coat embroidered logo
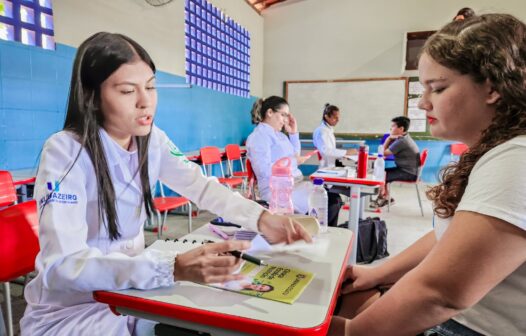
53,187
176,152
56,197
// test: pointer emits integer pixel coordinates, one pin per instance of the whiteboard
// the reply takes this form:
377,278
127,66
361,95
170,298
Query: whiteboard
366,105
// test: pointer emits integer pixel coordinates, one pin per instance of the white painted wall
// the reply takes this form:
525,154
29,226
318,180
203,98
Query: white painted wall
331,39
160,30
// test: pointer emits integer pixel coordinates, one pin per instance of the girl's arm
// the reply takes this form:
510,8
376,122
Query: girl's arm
475,254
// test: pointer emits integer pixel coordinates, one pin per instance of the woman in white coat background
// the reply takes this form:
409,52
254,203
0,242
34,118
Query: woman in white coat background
94,195
324,140
267,144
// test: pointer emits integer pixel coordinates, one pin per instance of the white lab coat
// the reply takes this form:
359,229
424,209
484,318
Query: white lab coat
77,257
265,146
324,140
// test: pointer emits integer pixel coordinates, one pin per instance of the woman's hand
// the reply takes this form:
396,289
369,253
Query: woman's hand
359,278
351,151
301,159
205,264
291,126
279,229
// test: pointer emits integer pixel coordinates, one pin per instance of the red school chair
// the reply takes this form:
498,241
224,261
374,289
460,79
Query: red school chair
7,189
211,156
423,159
233,153
251,183
164,204
457,150
18,247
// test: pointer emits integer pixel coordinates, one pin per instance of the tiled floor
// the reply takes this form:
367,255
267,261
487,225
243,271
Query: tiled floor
404,221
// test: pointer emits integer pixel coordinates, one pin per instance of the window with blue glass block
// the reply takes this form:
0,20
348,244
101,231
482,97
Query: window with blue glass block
27,21
217,50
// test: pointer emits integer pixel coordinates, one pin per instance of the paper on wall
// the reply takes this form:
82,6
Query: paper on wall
416,113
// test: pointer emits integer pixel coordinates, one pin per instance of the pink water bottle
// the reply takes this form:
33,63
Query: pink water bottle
281,185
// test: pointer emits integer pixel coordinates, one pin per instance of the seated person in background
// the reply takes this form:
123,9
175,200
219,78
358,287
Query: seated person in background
406,155
324,140
267,144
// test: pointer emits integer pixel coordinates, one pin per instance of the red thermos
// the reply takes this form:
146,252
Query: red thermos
362,162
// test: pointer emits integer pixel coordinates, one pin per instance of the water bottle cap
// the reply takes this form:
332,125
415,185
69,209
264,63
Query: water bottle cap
317,181
281,167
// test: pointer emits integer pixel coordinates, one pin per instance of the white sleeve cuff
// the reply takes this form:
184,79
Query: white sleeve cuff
164,263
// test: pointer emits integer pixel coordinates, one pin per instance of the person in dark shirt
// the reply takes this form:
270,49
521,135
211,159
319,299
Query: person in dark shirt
406,155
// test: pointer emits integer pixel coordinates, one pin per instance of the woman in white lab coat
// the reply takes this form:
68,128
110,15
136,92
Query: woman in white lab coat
324,140
93,190
267,144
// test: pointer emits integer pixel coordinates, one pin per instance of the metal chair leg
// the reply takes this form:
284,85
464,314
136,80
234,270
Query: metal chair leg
189,217
388,194
159,228
9,312
419,200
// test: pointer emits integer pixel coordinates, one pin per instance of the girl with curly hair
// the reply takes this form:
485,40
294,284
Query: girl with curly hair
468,275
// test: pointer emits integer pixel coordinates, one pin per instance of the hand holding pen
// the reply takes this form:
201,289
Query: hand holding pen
236,253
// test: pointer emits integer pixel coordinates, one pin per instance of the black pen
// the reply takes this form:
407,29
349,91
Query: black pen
249,258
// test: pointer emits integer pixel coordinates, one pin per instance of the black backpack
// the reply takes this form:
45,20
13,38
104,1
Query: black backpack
372,240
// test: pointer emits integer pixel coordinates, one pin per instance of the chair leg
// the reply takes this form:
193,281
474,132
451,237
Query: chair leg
189,217
9,312
159,228
388,195
419,200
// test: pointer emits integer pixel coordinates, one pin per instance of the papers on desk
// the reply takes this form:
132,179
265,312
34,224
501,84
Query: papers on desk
332,172
272,282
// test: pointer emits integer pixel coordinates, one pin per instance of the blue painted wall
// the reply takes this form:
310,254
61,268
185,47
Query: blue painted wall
34,86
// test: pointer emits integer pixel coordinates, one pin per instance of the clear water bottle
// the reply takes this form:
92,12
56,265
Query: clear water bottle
281,186
379,167
319,204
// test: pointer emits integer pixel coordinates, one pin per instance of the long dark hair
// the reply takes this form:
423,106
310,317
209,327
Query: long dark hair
96,59
261,106
492,48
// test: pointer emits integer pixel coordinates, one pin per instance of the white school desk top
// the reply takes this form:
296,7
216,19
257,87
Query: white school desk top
203,305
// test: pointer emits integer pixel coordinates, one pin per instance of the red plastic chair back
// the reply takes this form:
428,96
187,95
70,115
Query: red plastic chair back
210,155
7,189
18,240
458,149
233,152
423,158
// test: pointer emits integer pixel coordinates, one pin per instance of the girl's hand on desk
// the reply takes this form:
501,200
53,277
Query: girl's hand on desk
281,229
359,278
205,265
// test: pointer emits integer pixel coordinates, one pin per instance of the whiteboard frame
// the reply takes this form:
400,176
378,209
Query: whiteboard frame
329,81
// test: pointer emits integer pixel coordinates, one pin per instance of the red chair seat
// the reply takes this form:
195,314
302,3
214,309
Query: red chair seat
231,181
163,204
240,174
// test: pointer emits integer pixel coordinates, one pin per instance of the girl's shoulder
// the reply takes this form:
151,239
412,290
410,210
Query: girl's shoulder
66,141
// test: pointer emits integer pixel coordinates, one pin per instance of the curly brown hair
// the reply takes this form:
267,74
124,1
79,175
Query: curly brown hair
491,48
